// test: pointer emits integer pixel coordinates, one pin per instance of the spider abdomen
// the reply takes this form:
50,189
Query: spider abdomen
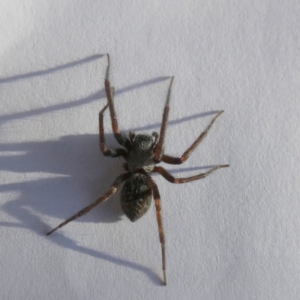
136,196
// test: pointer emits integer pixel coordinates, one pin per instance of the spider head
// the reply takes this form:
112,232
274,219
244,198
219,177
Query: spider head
141,153
142,141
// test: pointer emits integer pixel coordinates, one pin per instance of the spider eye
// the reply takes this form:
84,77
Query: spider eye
132,136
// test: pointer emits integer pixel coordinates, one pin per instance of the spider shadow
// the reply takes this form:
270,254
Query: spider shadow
51,70
74,162
79,174
95,96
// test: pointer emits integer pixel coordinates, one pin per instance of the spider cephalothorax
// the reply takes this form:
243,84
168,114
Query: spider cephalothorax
141,152
141,155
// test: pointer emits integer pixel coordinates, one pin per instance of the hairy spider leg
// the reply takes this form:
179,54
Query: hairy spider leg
106,151
162,171
156,197
120,137
179,160
160,143
85,210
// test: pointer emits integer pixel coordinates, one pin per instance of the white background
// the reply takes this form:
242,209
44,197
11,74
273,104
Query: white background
233,235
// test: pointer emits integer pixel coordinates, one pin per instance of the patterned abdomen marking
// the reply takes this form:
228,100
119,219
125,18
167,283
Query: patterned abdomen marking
136,196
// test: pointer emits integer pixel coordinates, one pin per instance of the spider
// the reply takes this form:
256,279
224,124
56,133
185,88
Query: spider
142,153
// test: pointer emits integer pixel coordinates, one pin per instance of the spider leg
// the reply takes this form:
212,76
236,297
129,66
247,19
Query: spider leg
160,143
172,179
103,147
85,210
179,160
120,137
160,225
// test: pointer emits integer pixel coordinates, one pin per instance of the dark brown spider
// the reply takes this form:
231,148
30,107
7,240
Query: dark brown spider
142,152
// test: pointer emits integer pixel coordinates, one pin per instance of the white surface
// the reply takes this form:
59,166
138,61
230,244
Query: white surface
233,235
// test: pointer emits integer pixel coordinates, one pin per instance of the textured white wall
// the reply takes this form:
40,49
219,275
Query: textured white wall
233,235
